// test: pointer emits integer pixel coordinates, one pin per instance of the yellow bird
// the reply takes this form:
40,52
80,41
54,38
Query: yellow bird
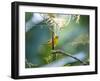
55,41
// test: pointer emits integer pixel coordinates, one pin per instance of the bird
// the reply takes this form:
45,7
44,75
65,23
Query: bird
49,42
55,41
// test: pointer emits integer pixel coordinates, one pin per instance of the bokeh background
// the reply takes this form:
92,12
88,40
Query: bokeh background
73,33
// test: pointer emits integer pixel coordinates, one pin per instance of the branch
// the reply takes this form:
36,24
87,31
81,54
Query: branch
62,52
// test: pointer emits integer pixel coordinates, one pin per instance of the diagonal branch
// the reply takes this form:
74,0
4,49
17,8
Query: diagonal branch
67,54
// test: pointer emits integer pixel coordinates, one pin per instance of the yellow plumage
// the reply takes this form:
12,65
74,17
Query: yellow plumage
55,41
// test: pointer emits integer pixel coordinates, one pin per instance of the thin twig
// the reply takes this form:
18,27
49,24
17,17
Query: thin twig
62,52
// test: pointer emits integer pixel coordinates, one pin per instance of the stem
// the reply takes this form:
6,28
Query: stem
52,40
62,52
54,56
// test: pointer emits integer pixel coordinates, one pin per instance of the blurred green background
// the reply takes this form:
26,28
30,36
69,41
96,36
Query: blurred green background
73,39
